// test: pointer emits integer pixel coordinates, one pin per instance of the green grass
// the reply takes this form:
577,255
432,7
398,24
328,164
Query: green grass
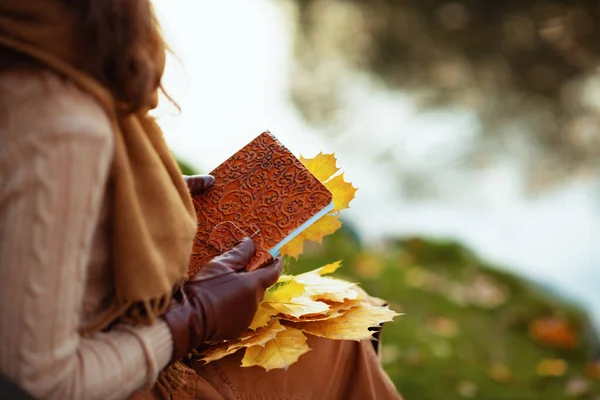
425,280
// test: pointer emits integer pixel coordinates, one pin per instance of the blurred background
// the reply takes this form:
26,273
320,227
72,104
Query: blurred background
471,130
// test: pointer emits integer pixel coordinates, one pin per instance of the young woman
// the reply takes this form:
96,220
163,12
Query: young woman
96,227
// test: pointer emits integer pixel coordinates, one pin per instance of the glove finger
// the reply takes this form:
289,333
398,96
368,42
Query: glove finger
199,184
269,274
239,257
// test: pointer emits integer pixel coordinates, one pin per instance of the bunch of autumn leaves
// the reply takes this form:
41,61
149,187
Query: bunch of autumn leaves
309,303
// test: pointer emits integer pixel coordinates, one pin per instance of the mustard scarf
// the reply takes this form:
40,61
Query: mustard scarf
153,219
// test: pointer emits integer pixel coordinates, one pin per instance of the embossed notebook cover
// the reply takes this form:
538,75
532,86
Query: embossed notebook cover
263,191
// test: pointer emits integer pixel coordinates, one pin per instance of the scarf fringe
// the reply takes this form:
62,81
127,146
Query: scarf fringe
175,376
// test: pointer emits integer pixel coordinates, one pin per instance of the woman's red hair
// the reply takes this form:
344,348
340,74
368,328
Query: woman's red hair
121,44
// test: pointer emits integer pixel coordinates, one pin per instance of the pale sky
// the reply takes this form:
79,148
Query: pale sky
233,83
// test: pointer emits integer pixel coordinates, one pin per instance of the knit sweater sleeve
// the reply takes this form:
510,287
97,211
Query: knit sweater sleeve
55,156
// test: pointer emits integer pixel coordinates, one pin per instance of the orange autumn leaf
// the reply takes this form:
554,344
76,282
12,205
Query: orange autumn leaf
554,332
322,166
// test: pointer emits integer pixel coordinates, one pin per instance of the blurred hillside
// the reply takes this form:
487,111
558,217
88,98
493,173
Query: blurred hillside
469,330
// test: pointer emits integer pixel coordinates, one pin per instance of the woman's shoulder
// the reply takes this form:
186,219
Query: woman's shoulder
41,102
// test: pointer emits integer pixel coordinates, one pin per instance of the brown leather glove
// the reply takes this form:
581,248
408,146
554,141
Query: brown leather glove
219,302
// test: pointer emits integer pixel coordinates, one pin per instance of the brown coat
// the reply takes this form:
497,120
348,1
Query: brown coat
332,370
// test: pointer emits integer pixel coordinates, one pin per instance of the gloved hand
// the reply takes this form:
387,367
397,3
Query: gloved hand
219,302
199,184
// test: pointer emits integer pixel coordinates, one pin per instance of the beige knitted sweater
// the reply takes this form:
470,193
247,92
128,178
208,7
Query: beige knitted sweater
56,147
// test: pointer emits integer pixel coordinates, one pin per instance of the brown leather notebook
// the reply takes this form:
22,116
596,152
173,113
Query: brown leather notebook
264,192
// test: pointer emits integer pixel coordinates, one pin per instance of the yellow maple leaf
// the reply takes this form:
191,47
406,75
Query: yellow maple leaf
322,166
294,247
283,291
343,192
263,316
338,297
336,309
259,338
216,352
249,339
346,305
309,302
286,288
299,306
329,268
278,353
354,324
324,226
326,288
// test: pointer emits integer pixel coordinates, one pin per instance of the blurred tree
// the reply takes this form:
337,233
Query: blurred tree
523,65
